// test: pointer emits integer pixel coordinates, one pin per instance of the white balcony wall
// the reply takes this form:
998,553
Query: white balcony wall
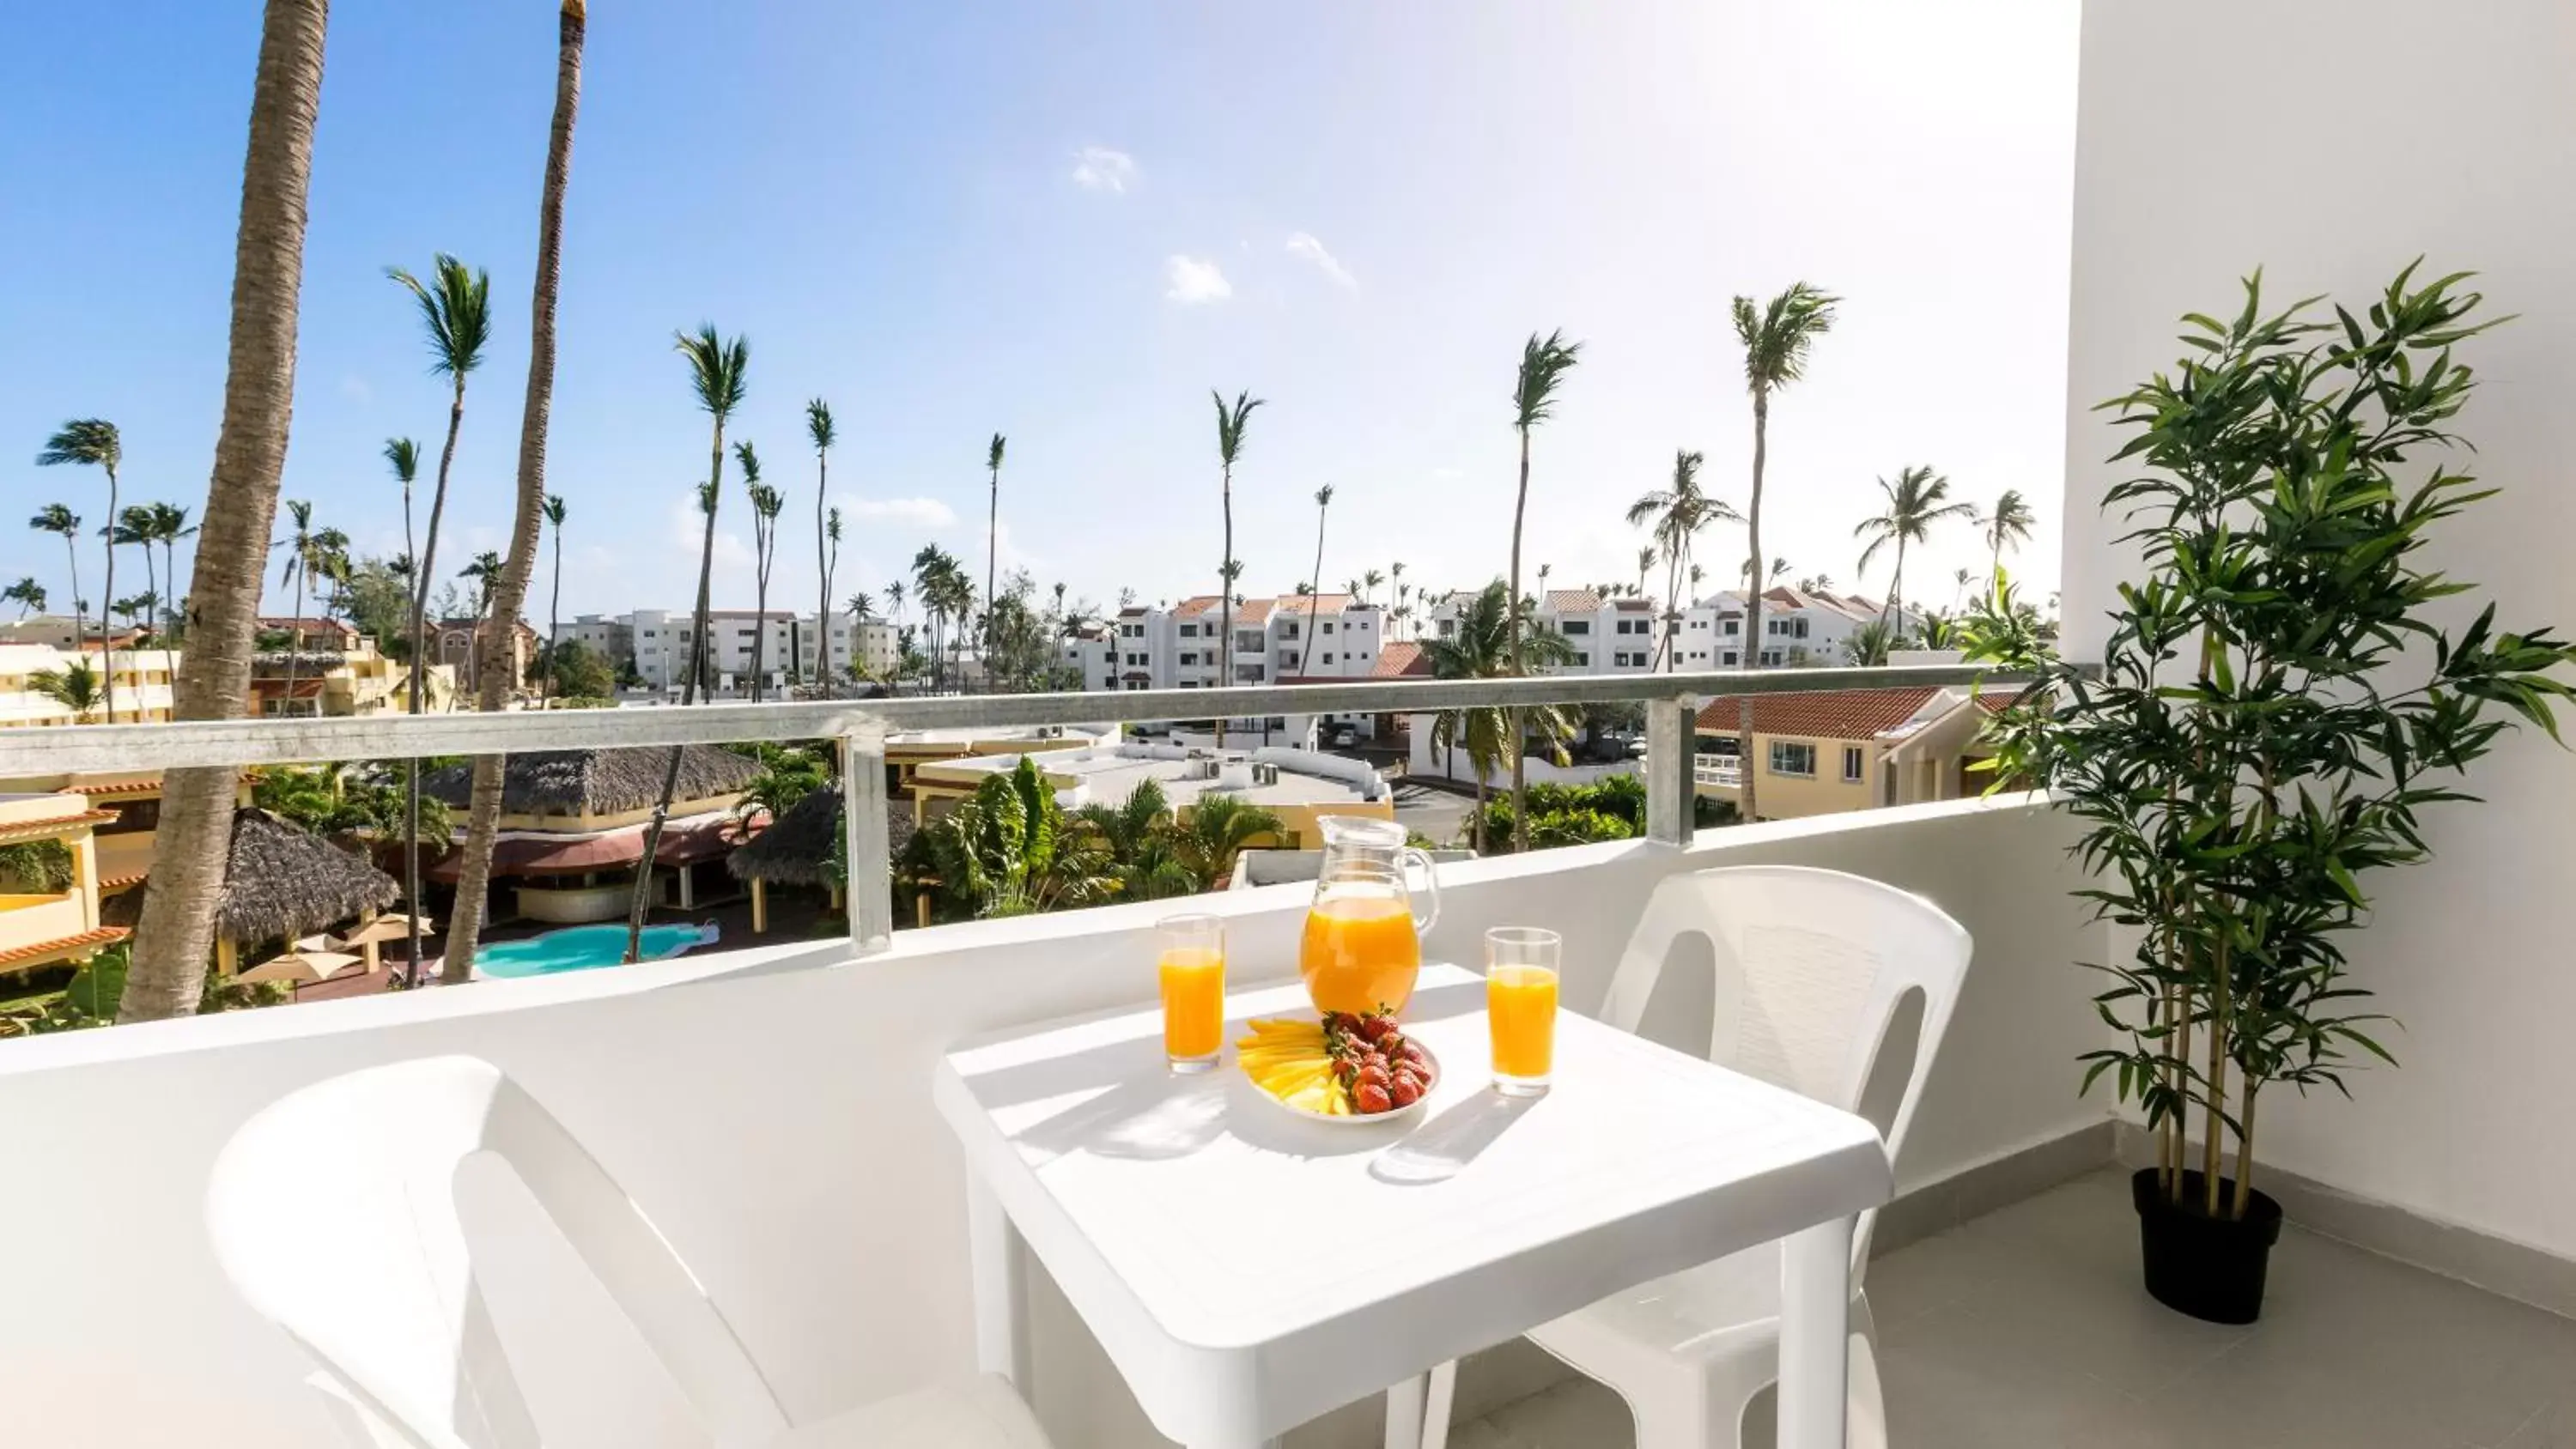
2187,178
772,1109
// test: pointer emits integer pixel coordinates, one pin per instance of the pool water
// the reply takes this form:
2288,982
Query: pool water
580,948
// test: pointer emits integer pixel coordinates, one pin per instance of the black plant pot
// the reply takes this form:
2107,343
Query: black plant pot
2210,1268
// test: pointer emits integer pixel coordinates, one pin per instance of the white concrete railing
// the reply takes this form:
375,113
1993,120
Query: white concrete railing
1720,770
771,1108
862,726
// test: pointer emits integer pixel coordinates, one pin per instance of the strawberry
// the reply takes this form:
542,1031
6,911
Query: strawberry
1371,1099
1377,1026
1405,1091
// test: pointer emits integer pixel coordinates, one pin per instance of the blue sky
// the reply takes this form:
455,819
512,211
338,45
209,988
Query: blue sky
1067,222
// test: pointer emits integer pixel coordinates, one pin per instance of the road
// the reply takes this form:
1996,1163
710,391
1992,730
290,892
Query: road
1438,814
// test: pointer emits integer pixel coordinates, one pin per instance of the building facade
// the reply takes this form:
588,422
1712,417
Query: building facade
1286,638
659,641
1606,635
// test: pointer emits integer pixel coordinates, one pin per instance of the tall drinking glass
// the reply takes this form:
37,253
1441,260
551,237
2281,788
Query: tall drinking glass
1191,962
1520,1006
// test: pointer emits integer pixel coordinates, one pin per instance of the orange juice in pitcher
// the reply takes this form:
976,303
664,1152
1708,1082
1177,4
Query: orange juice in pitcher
1363,945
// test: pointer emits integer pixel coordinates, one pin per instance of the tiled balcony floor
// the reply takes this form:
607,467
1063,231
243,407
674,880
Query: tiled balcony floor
2027,1329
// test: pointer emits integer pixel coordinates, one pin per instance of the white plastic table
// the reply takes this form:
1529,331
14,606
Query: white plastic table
1247,1271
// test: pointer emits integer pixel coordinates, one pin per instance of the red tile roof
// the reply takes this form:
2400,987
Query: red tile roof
18,830
1571,601
1252,611
1401,659
1831,714
1632,605
39,952
1320,603
1191,608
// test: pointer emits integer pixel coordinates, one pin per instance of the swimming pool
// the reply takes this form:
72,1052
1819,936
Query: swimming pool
579,948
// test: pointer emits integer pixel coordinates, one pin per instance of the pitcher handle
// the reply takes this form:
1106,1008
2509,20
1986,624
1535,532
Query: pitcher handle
1431,877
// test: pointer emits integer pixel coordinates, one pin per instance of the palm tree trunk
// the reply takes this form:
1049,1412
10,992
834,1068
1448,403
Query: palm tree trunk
80,622
1225,598
643,898
1895,588
554,621
1519,740
992,536
151,588
421,575
1753,583
823,571
107,605
193,844
295,640
170,607
759,605
1314,594
497,629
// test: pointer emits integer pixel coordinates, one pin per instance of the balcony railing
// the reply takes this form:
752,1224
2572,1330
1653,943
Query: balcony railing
862,727
1721,771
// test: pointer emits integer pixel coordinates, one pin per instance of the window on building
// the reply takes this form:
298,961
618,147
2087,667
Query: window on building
1328,626
1734,627
1793,757
1851,764
1189,631
1571,626
1187,658
1328,658
1583,659
1289,629
1448,628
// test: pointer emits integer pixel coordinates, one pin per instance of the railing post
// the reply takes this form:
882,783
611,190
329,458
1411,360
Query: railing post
868,893
1672,787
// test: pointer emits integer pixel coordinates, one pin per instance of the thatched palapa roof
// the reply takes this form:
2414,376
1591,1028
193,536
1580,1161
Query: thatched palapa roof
797,845
597,782
284,881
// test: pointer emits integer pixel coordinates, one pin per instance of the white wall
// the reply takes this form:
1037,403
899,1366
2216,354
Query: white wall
2329,142
772,1111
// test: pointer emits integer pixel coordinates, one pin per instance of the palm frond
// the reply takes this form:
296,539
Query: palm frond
456,312
92,441
1544,364
718,369
818,425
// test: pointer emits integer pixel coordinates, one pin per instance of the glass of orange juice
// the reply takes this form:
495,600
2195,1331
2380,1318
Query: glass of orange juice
1191,962
1520,1006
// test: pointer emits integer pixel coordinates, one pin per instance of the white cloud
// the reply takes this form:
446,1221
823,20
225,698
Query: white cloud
1097,168
1193,280
688,534
917,512
1303,244
355,389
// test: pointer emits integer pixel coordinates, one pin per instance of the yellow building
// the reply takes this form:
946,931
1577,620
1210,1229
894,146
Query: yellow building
332,670
141,676
49,898
1844,749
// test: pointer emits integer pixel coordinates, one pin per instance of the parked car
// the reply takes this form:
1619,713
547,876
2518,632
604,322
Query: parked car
1343,737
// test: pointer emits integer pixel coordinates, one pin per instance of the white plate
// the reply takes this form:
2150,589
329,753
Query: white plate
1374,1119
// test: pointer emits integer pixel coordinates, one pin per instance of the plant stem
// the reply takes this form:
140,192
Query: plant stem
2214,1129
2244,1155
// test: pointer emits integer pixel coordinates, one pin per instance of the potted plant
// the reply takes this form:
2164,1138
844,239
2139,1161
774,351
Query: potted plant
2273,709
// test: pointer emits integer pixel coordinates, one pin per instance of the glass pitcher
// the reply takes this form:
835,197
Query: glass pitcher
1363,943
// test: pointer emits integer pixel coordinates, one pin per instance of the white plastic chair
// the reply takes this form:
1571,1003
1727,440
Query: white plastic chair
333,1211
1815,970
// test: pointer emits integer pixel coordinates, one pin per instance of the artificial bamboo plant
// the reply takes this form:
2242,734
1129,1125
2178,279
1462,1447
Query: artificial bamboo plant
2275,704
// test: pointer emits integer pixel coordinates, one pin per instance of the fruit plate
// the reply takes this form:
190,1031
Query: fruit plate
1410,1112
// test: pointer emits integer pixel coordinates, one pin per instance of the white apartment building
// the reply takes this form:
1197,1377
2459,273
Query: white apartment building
1287,637
1799,626
662,640
1608,636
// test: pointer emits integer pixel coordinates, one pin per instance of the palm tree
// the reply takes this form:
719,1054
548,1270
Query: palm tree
1229,447
1677,514
1776,338
554,512
404,455
93,442
2009,524
1315,592
992,533
1647,558
301,564
719,372
137,608
827,536
862,608
457,314
77,686
894,593
766,504
1959,586
1216,830
1868,644
27,594
1543,366
527,522
134,526
169,525
940,585
58,518
484,574
1915,501
1398,614
192,843
1481,648
1369,583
